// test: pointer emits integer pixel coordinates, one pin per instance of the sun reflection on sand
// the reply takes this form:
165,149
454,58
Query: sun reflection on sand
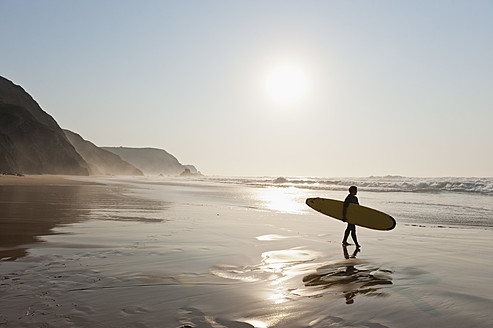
277,274
279,296
285,276
257,323
271,237
266,322
285,200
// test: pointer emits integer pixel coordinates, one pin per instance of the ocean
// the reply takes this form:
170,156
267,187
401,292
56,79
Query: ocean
449,201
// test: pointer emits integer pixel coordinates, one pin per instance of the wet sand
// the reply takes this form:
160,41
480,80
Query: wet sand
122,253
43,180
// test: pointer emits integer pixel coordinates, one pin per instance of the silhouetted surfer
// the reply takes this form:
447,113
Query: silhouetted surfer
351,228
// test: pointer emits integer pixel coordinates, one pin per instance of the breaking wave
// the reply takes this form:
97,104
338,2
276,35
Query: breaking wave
378,184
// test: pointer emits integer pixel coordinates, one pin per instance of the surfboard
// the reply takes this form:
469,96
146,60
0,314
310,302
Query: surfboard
356,214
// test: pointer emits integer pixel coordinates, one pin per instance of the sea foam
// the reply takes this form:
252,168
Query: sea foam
373,183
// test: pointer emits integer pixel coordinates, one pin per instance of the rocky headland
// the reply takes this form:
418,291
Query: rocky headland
151,161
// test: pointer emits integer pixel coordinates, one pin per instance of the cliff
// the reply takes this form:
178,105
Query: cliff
151,161
31,142
100,161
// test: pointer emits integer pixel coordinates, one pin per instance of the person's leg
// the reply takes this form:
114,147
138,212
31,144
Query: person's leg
353,235
346,235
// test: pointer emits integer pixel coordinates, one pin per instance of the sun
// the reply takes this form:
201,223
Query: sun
286,84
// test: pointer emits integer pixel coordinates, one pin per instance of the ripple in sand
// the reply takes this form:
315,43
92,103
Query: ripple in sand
273,266
192,317
246,274
282,269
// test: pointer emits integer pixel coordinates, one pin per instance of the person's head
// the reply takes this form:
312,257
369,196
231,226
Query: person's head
353,190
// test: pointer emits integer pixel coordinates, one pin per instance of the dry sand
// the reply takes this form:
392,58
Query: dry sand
198,255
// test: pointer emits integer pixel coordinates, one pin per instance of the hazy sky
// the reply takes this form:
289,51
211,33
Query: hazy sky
281,88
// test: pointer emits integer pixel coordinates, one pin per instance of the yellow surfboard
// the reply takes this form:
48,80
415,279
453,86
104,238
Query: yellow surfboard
356,214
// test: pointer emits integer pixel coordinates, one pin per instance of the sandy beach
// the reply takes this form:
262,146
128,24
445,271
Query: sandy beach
43,180
90,252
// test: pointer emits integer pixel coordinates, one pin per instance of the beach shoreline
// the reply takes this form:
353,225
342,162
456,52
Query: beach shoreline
44,179
127,252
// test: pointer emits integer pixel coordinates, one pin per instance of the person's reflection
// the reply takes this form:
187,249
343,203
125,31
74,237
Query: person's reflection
350,270
340,274
349,278
346,253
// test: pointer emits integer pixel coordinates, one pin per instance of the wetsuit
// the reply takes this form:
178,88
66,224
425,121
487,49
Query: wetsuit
351,228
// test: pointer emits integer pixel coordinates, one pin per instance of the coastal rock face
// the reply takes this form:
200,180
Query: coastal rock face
151,161
100,161
192,169
31,141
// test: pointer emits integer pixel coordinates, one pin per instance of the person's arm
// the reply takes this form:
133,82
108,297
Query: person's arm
344,210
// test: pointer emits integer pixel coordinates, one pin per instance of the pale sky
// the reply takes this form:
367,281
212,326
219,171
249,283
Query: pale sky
278,88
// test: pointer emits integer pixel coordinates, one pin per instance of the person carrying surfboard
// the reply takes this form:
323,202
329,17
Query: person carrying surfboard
351,228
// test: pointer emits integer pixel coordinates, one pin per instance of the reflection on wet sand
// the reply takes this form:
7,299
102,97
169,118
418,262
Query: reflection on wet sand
192,317
273,280
28,212
348,277
284,277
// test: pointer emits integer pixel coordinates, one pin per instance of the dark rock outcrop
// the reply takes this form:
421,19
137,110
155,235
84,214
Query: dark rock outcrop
31,141
188,173
100,161
151,161
192,169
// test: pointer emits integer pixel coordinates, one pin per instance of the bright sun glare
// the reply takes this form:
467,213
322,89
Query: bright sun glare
286,84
